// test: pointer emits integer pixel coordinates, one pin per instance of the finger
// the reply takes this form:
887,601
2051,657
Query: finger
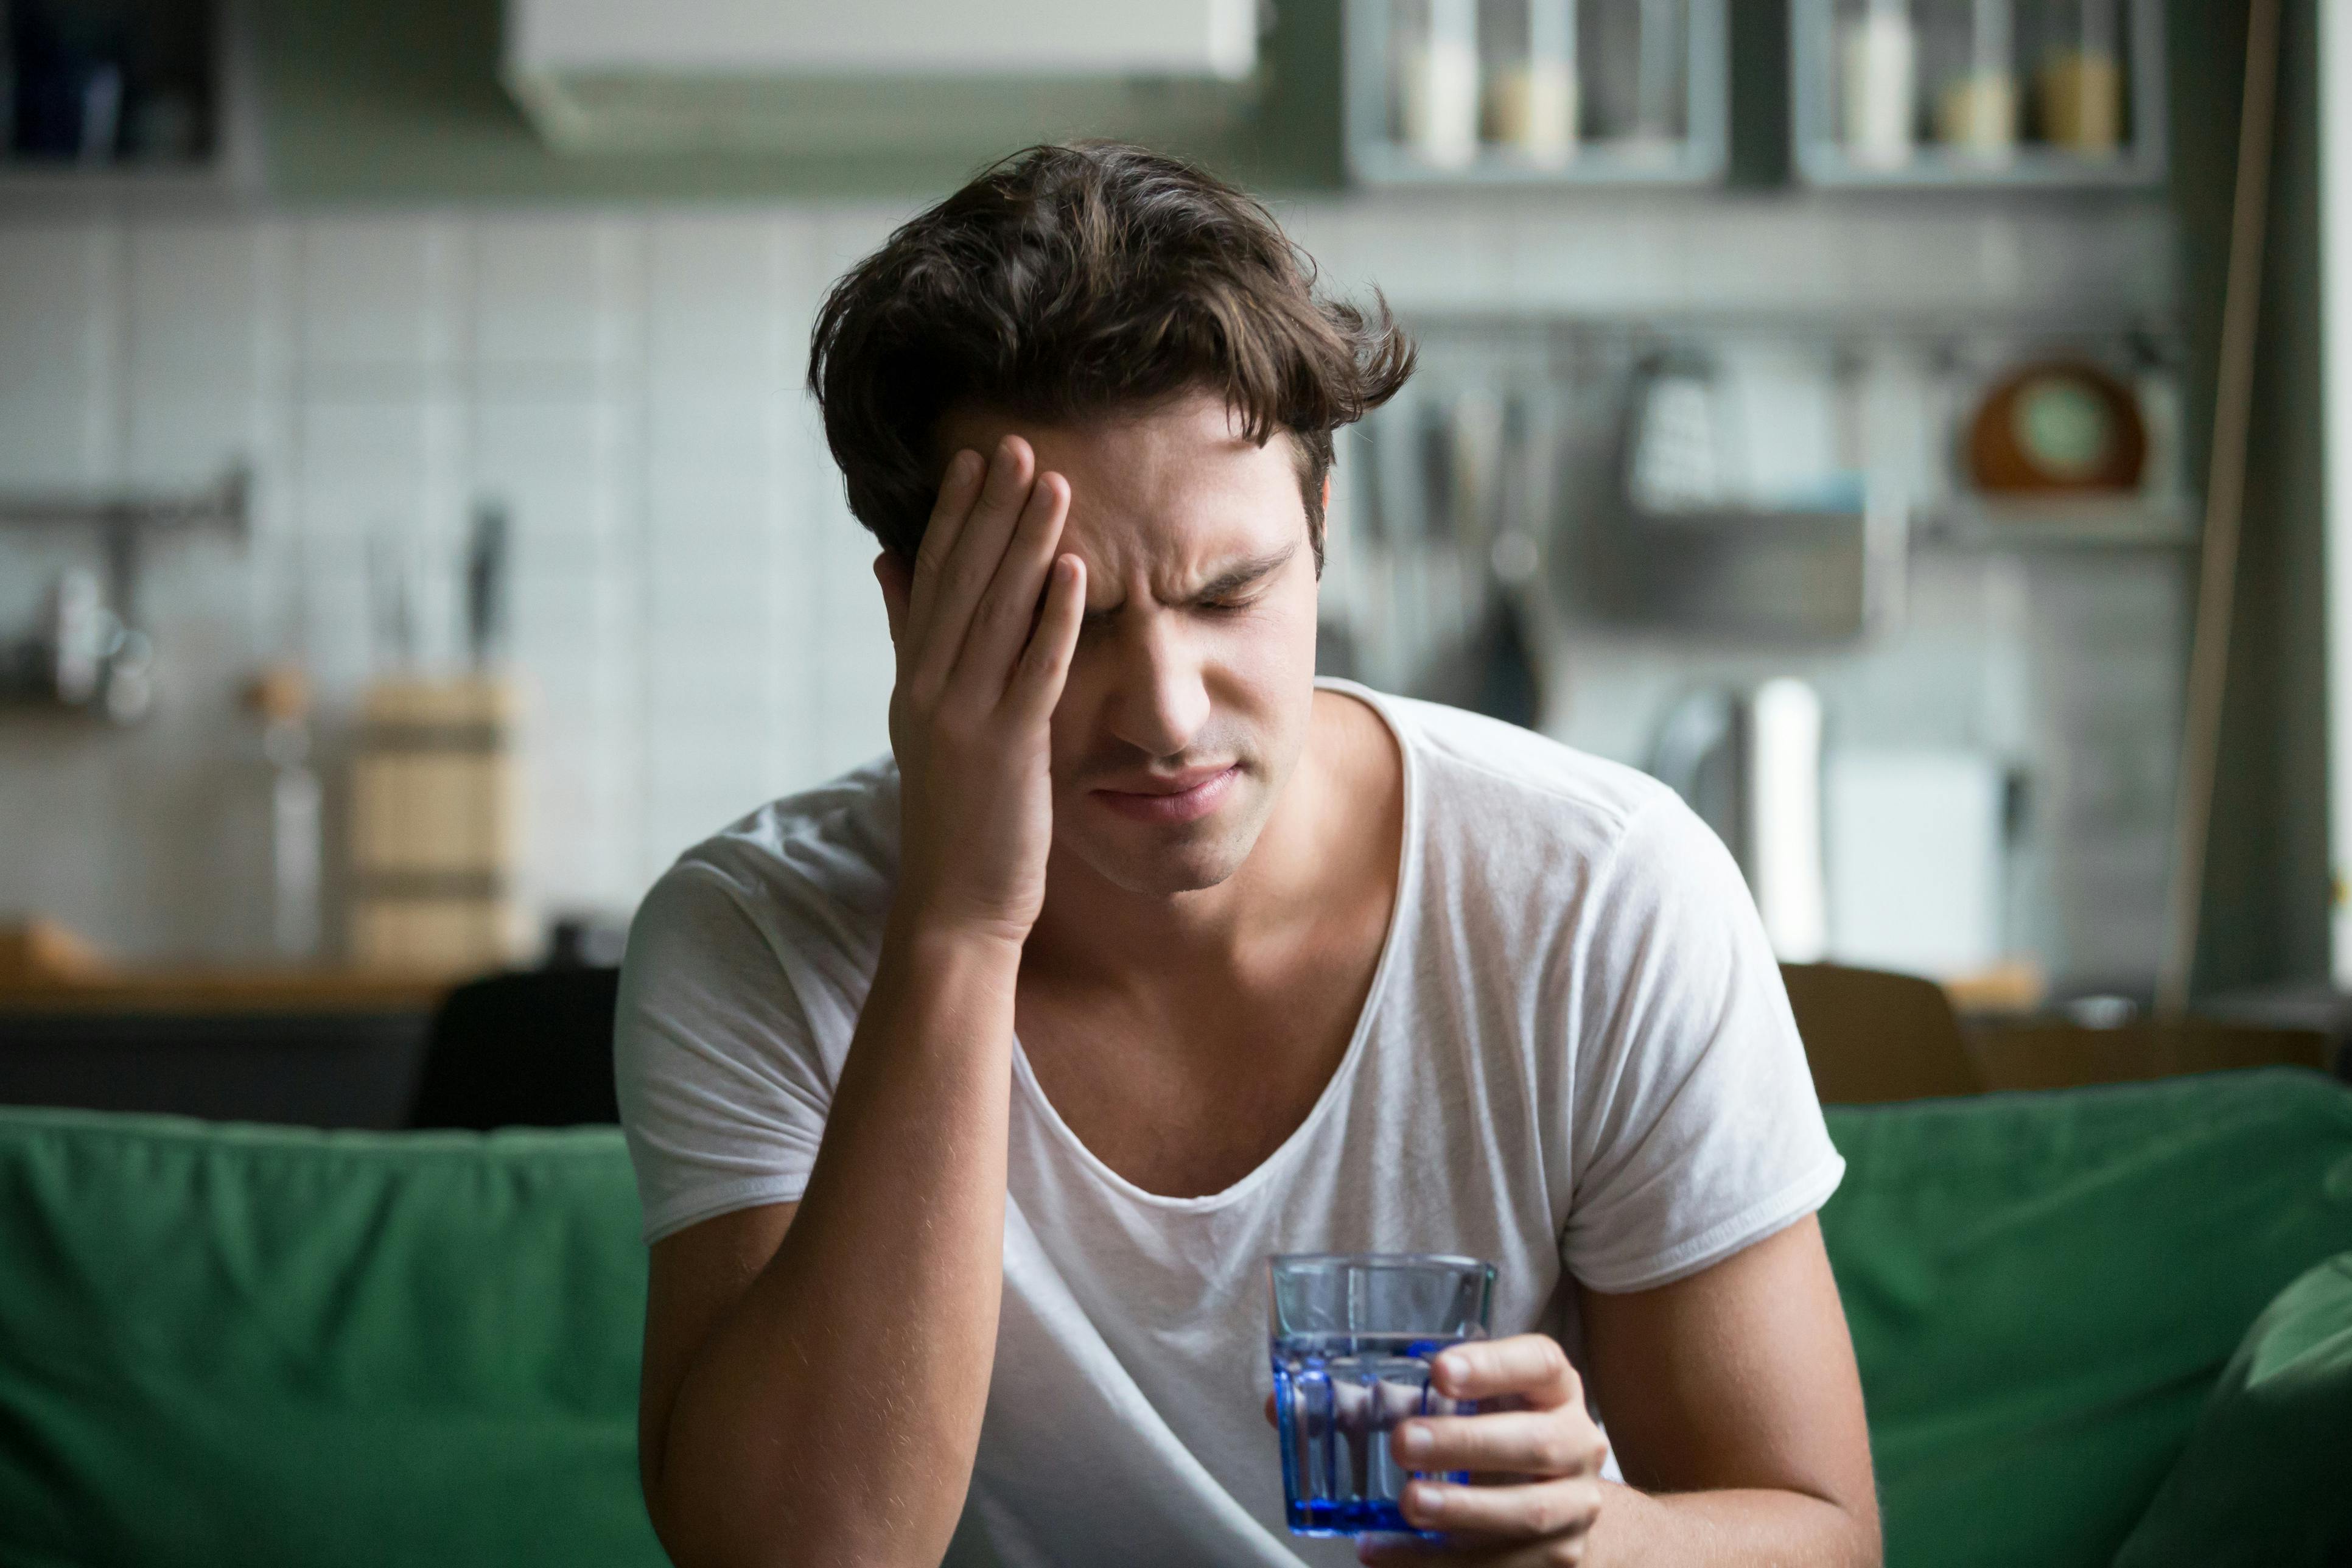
1540,1509
1045,662
1007,613
1559,1442
964,574
959,489
1532,1366
1269,1410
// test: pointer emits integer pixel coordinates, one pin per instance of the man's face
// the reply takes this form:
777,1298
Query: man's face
1188,697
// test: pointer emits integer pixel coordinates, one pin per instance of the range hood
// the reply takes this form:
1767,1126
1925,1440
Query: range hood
873,76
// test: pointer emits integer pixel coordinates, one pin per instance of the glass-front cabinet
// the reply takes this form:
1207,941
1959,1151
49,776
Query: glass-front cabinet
1977,92
1535,92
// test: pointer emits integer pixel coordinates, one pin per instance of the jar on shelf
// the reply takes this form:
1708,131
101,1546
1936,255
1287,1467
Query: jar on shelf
1971,53
1528,48
2078,76
1878,59
1433,65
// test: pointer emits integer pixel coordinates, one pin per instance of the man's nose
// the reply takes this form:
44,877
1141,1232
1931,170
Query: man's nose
1162,699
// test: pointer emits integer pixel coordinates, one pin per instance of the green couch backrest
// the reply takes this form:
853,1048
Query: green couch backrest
271,1346
2043,1287
265,1346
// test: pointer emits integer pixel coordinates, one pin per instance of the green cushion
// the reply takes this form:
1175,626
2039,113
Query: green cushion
2043,1287
268,1346
2267,1476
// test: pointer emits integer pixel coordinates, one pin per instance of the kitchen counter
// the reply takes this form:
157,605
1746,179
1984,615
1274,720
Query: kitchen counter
220,990
320,1046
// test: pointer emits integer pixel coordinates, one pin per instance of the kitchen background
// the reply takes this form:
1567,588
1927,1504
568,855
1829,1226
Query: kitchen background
403,318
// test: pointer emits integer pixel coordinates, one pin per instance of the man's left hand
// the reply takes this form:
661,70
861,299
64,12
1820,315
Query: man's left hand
1533,1453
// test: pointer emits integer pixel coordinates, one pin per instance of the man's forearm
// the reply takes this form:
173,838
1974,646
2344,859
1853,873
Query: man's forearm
833,1415
1727,1530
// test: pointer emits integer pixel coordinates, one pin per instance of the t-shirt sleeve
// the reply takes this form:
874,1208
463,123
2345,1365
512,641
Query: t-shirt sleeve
1696,1130
722,1088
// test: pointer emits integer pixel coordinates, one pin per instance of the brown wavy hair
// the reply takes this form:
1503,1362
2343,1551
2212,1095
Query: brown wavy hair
1069,282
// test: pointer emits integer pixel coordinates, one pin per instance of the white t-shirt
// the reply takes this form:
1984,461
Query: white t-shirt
1576,1060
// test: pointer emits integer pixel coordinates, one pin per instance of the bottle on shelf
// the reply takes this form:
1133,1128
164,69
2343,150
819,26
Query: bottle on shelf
1530,99
280,693
1878,59
2078,82
1435,57
1976,104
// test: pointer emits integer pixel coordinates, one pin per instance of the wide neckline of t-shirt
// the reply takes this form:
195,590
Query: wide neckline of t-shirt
1289,1150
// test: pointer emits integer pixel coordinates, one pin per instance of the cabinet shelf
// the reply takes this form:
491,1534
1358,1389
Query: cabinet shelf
1835,65
1684,143
2122,522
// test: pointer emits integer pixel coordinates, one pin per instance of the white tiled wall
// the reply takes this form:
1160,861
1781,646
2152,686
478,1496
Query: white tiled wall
692,608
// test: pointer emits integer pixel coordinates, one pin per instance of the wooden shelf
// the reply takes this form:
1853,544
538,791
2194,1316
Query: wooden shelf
1940,168
45,176
2132,523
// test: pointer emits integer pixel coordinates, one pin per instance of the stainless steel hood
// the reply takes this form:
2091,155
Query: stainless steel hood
878,76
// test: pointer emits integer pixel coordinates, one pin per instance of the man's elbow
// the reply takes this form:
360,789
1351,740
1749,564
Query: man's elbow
721,1532
1862,1541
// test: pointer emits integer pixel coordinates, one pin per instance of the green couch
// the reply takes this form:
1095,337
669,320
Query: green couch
262,1346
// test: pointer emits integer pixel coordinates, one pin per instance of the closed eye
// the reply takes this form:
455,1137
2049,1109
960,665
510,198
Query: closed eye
1230,593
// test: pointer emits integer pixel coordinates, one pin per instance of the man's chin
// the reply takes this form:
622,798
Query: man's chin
1156,862
1187,870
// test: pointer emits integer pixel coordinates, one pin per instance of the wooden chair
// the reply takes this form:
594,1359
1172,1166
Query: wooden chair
1871,1036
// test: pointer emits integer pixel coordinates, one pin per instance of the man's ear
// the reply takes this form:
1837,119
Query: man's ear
1324,544
898,583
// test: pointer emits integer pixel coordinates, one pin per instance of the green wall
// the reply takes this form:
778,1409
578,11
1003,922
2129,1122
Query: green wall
2266,894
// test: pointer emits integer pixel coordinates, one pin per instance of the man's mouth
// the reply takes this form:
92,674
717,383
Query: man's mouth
1184,796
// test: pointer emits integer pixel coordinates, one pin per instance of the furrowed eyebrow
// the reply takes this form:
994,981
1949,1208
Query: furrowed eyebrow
1243,573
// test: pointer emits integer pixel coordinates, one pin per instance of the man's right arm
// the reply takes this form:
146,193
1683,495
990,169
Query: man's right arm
814,1372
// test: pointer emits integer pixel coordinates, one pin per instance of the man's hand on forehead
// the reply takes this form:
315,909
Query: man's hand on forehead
983,621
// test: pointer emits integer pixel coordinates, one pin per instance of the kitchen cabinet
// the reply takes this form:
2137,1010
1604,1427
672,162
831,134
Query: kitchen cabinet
1554,92
148,101
1978,94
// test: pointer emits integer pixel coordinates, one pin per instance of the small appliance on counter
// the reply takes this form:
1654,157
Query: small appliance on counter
1749,764
1918,842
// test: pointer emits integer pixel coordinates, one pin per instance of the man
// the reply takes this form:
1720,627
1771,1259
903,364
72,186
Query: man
970,1092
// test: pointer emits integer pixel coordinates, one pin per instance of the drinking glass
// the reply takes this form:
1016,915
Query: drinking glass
1353,1336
